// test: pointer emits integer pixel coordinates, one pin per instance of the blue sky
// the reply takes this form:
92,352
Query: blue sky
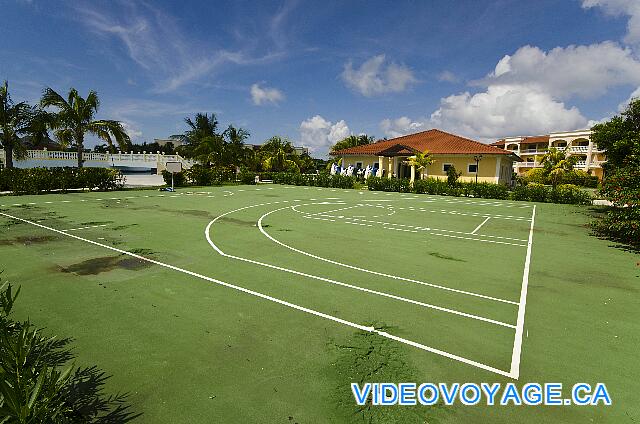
318,71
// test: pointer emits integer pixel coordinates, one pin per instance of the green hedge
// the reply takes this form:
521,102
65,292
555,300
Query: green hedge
575,176
564,193
317,180
199,175
45,180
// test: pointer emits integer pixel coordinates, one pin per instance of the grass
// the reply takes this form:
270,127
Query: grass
190,350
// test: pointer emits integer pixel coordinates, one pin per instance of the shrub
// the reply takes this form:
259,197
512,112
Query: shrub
537,175
179,178
44,180
622,221
319,180
36,388
563,193
453,175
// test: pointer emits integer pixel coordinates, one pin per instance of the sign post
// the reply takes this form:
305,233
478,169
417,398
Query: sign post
173,167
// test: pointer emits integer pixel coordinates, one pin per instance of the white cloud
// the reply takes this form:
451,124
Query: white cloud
505,110
447,76
261,95
131,129
401,126
526,93
635,95
621,7
585,71
374,78
319,135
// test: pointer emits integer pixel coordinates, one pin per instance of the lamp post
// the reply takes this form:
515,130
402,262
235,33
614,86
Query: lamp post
477,158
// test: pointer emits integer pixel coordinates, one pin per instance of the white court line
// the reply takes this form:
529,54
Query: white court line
480,226
517,341
430,231
340,283
419,228
87,227
381,274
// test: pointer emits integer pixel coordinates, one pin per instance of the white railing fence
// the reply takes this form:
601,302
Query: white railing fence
52,158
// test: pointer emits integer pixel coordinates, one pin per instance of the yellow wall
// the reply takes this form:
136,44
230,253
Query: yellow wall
487,168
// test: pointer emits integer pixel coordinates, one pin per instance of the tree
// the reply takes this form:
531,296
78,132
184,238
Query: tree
206,144
421,161
352,141
277,154
19,120
75,118
620,138
235,150
556,163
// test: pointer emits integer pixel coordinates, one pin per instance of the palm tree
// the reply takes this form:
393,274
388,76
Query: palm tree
75,118
352,141
18,120
235,150
421,161
276,155
556,163
203,141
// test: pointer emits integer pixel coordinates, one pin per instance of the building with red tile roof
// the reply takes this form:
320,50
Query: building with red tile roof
577,143
473,158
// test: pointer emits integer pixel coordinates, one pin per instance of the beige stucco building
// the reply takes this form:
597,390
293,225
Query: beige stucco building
493,164
531,149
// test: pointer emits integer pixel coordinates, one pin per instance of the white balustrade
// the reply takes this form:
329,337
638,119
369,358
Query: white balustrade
50,158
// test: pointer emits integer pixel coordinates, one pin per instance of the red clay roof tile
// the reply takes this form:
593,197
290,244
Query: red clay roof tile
433,141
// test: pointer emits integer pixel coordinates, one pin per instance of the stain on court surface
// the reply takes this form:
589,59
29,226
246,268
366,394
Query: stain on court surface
97,266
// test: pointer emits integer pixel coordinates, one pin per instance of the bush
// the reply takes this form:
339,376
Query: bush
536,175
401,185
179,178
532,192
453,175
199,175
575,176
45,180
39,386
622,221
563,193
318,180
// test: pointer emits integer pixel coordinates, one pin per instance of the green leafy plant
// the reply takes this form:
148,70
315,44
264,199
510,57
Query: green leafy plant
37,384
452,175
45,180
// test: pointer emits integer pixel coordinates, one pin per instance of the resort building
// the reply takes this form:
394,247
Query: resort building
578,143
176,140
472,158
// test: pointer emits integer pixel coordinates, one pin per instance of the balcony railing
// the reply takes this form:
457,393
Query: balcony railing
527,164
581,149
533,151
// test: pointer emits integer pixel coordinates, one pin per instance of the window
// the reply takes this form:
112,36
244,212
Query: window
446,166
472,168
358,165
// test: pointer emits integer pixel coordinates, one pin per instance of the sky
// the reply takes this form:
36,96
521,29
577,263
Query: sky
316,72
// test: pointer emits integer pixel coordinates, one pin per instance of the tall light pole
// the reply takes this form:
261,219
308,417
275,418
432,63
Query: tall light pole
477,158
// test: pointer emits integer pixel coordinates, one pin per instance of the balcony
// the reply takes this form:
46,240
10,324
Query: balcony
527,164
579,149
533,152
